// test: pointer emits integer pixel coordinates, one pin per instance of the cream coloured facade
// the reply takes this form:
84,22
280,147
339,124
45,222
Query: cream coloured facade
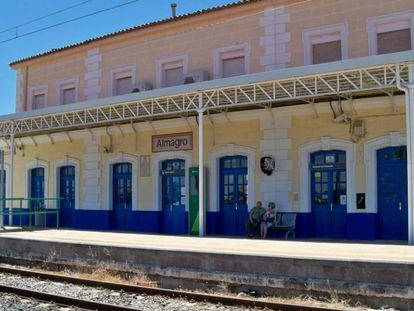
350,126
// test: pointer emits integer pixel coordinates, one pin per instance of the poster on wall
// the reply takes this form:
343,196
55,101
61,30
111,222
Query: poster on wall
145,166
172,142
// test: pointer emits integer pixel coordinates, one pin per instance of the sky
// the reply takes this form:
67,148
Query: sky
17,12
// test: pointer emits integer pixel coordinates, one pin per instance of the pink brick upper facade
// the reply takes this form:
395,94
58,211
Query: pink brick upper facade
249,38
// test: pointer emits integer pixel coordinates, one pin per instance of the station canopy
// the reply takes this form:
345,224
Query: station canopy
352,78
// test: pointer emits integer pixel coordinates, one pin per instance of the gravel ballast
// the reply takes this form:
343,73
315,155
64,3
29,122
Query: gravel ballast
139,301
9,302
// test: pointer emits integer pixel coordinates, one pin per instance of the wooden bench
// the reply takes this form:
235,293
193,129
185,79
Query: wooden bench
285,222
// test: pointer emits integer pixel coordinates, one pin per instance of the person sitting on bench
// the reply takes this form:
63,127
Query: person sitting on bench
255,217
269,219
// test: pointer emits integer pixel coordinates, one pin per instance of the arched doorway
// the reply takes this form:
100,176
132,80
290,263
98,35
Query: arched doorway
173,198
37,191
67,194
392,217
328,193
121,195
233,194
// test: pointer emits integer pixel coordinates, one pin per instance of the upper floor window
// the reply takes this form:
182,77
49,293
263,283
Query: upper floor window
171,70
231,61
67,91
325,44
391,33
122,80
37,97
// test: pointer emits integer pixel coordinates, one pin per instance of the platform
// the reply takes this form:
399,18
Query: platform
379,272
240,246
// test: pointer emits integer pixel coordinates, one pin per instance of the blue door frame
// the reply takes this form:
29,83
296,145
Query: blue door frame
233,195
67,193
122,196
328,193
392,217
173,191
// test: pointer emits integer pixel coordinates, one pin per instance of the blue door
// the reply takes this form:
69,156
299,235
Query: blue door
3,203
392,218
173,197
328,193
37,187
122,196
4,184
67,193
233,195
37,190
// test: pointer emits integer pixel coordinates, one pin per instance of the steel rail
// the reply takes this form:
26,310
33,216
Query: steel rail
215,299
63,300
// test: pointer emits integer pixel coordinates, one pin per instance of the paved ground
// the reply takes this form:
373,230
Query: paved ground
273,248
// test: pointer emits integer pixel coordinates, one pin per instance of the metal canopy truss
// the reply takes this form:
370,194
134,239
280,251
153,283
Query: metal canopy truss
342,83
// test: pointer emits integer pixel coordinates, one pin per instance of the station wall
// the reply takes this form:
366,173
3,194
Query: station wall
281,133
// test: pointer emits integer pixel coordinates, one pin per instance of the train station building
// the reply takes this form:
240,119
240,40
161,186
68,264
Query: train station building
180,125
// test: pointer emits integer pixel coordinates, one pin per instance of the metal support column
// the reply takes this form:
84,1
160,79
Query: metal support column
408,89
11,177
409,113
201,187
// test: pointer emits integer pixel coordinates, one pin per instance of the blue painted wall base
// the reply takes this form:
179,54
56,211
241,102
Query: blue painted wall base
145,221
361,226
17,220
212,223
92,220
303,226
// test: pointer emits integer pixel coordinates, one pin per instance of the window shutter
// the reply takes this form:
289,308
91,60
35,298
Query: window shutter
394,41
173,76
123,86
39,101
326,52
68,96
233,67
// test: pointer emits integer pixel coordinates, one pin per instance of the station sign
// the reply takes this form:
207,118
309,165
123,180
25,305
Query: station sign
327,166
172,142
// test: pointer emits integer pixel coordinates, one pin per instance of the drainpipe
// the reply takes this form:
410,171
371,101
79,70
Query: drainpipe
408,89
24,95
201,211
2,194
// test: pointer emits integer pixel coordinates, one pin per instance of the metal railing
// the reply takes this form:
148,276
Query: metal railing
29,209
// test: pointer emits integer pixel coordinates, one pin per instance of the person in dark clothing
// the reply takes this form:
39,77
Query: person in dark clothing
255,218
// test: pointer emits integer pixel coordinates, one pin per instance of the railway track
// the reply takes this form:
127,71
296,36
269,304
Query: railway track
95,305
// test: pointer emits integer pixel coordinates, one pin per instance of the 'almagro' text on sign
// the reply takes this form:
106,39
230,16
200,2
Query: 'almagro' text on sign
172,142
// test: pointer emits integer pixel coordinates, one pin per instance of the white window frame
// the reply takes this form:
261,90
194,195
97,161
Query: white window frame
35,164
393,139
66,84
214,157
326,143
325,34
56,165
156,162
121,72
162,62
36,90
233,51
109,164
387,23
